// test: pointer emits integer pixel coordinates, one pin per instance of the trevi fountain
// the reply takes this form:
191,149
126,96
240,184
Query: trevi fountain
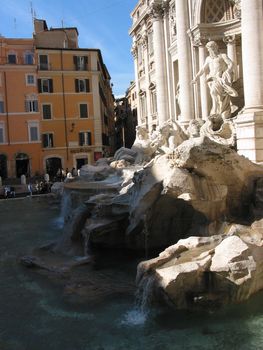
158,247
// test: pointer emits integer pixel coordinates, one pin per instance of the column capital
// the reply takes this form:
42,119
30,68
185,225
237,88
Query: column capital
198,39
157,10
229,39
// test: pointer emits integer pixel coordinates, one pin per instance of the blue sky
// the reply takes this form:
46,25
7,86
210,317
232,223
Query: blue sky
102,24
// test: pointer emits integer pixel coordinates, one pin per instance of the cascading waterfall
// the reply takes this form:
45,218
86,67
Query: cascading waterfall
139,314
86,238
66,208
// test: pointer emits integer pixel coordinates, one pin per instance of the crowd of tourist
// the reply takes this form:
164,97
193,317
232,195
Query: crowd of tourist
36,186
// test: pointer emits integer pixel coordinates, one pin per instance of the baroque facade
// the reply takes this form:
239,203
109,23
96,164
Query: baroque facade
169,49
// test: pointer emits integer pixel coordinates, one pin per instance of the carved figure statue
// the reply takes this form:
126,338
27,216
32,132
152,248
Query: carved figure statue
219,80
194,127
169,137
141,150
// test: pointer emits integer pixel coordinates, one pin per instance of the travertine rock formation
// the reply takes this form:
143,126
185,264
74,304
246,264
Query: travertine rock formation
208,271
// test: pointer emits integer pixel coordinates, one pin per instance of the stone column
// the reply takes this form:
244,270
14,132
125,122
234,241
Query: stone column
157,13
168,62
135,56
250,122
147,80
204,94
184,62
232,53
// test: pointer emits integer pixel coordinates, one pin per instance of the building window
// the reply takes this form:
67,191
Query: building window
143,104
80,62
105,119
2,133
105,139
29,58
31,105
33,128
83,110
47,140
46,111
43,62
150,41
82,85
45,85
30,79
2,106
11,58
153,99
85,138
140,54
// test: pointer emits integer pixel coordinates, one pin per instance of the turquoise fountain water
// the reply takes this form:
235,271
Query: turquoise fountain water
95,307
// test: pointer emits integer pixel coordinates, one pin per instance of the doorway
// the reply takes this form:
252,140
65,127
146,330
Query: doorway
3,166
80,162
52,166
22,165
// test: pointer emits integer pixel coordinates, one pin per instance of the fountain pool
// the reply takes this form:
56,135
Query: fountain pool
94,307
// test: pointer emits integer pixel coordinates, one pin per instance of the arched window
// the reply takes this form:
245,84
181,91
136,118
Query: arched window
217,11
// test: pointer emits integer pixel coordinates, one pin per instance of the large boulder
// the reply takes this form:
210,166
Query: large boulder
224,166
207,271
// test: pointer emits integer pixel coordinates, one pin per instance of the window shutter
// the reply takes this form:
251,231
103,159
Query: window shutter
50,83
75,60
86,62
39,85
50,140
89,138
76,85
44,140
83,110
26,106
81,138
87,85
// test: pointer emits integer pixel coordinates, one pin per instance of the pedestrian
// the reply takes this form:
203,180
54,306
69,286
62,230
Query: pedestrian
30,189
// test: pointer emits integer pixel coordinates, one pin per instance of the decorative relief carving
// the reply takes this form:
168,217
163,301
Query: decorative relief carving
172,23
144,41
237,8
134,50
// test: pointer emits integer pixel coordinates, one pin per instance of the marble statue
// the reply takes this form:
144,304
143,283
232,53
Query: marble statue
194,127
219,79
170,136
141,150
219,131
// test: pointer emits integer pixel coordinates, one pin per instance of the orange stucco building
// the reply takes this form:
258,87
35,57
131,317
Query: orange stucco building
64,117
20,144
